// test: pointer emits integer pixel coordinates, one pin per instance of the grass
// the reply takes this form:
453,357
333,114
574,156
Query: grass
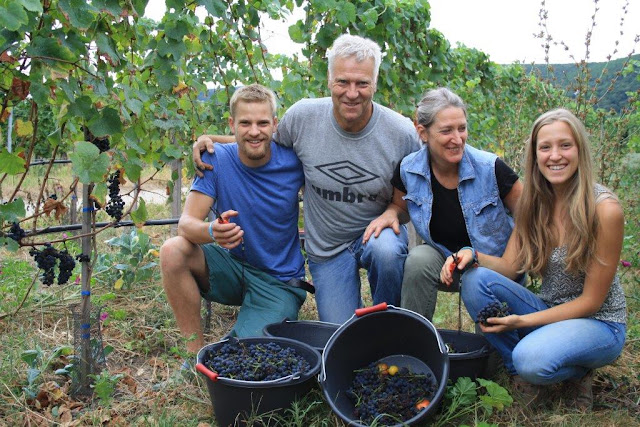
148,349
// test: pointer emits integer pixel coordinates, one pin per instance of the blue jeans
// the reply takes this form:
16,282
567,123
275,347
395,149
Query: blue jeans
337,279
544,354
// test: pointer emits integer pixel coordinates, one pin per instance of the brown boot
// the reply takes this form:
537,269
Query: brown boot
528,394
581,392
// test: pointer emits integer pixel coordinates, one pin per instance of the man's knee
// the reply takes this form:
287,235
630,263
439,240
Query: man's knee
388,245
175,254
424,261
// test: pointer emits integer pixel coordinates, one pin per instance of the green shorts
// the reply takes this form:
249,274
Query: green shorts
262,298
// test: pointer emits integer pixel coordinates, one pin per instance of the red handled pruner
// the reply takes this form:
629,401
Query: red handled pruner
454,264
217,214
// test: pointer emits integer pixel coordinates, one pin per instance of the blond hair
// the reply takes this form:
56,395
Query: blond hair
253,93
534,218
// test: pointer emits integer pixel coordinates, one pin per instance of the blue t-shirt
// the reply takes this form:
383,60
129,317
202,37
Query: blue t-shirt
266,199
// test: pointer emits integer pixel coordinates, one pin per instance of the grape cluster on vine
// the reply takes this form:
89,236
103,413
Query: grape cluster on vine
493,309
101,143
115,204
48,258
255,361
16,232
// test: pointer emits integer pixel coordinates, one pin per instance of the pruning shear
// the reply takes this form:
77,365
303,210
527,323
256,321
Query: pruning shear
217,214
453,267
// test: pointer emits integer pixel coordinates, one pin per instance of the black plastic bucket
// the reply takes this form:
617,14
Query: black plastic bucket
236,400
469,355
314,333
379,334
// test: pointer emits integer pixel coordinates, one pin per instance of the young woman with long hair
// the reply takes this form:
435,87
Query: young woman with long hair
568,232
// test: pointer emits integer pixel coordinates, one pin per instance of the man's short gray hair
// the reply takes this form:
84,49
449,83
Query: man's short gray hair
360,48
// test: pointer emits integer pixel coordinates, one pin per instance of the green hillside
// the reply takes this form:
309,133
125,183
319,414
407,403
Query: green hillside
600,76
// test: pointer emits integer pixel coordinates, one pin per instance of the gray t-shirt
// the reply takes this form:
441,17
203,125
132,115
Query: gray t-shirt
347,175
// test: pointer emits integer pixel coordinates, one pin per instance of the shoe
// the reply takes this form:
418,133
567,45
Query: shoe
528,394
581,391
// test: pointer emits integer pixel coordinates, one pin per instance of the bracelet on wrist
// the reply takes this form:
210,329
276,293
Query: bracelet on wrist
211,231
474,256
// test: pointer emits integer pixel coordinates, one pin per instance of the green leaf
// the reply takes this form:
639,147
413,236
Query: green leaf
30,357
10,163
296,32
465,391
109,6
498,397
32,5
78,12
346,13
83,107
11,212
13,16
216,8
107,48
133,169
9,244
106,123
50,49
88,163
370,17
139,216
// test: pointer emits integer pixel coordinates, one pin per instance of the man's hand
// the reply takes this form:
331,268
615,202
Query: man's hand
204,142
227,234
388,219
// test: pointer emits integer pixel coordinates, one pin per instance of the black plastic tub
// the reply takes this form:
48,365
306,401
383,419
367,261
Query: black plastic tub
314,333
234,401
469,354
379,334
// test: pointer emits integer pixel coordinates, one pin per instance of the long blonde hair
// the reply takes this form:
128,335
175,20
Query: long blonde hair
534,218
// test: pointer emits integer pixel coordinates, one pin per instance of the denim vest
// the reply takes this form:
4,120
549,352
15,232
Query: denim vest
488,223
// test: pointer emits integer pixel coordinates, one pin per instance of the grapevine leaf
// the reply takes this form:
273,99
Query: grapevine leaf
110,6
107,49
24,129
296,32
106,123
100,193
78,12
216,8
346,14
32,5
13,16
10,163
140,215
11,212
50,49
133,169
88,163
9,244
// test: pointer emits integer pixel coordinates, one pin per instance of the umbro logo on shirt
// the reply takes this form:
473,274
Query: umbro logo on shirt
346,172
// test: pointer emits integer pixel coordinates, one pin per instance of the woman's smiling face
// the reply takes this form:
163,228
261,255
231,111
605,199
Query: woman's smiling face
556,153
446,136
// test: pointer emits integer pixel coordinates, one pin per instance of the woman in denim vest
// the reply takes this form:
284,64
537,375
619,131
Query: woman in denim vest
569,232
455,195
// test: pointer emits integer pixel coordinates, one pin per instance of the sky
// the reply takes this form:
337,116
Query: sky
504,29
